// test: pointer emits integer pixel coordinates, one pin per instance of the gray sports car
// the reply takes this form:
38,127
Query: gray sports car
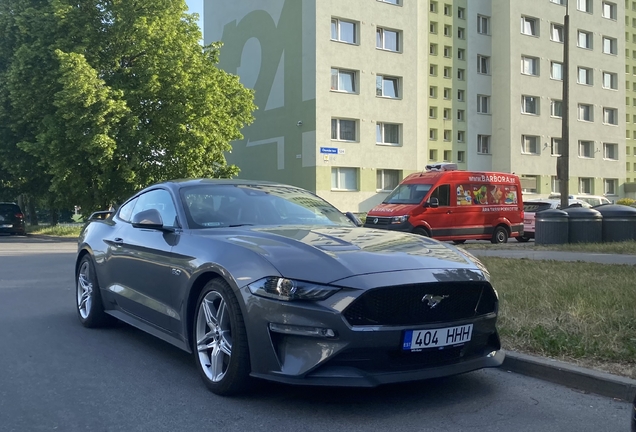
270,281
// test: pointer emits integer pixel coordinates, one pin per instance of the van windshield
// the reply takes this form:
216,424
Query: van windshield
408,194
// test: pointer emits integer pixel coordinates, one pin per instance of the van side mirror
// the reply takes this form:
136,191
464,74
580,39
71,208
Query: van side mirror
432,203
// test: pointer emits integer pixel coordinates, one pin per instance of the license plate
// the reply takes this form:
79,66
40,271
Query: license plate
415,340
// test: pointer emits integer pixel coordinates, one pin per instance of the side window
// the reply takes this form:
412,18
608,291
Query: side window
160,200
442,193
125,211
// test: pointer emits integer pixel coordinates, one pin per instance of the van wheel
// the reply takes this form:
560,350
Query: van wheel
500,235
459,241
522,239
421,231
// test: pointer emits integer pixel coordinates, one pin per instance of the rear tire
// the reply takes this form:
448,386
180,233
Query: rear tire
500,235
219,340
522,239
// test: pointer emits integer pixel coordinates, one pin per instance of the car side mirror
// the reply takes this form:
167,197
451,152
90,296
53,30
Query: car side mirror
353,218
432,203
149,219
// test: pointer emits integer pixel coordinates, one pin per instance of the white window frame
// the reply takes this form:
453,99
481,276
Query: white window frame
483,24
556,32
530,144
382,83
584,5
529,26
586,112
555,146
584,39
610,187
586,149
338,23
585,75
381,33
483,64
382,184
483,144
392,2
610,10
610,116
527,102
381,132
610,45
339,132
554,103
586,185
610,80
338,186
610,151
483,104
533,62
556,70
461,74
461,156
461,136
338,74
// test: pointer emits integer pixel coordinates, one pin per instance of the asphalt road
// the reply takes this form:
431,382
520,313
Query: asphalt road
56,375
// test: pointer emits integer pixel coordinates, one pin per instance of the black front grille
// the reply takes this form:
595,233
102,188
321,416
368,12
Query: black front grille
375,221
422,304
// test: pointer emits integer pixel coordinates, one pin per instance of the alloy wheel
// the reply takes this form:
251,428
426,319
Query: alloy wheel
214,336
84,290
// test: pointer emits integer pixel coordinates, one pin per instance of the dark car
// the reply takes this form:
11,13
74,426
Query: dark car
634,416
270,281
11,219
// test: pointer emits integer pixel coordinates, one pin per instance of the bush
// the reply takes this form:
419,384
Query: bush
626,201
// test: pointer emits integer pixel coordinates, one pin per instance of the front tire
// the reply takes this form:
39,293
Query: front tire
421,231
500,235
90,308
220,340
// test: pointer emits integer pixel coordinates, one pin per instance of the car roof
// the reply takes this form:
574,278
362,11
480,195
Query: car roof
181,183
555,202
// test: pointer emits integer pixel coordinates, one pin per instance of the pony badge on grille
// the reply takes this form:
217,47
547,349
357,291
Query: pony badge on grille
433,300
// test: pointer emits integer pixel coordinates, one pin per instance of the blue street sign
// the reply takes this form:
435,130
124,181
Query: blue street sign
329,150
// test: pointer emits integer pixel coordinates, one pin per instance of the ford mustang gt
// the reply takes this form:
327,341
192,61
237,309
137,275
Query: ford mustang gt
265,280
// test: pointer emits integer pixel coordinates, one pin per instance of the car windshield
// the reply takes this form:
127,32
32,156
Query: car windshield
408,194
534,207
215,206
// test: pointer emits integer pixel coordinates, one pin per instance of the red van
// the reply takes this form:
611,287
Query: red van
448,204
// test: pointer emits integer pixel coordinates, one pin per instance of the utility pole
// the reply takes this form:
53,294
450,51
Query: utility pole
563,161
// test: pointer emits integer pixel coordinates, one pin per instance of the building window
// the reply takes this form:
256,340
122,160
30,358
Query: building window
461,33
586,112
447,113
555,149
483,144
432,70
610,116
556,70
433,49
529,26
388,87
530,105
448,72
610,45
585,76
432,112
432,155
461,74
556,108
393,2
559,2
460,95
433,7
555,184
586,149
461,54
483,24
344,31
432,27
586,185
556,32
343,130
610,151
584,39
461,156
529,65
529,183
483,104
432,91
530,144
387,180
610,186
448,30
447,134
387,133
584,5
448,10
610,80
432,134
343,80
345,179
448,155
461,13
388,40
447,93
460,115
483,64
609,10
460,136
448,51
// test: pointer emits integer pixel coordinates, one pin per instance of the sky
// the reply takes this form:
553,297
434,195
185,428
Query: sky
196,6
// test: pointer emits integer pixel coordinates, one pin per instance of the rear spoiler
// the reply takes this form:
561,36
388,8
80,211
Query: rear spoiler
101,215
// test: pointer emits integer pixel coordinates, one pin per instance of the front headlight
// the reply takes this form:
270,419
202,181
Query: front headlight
399,219
279,288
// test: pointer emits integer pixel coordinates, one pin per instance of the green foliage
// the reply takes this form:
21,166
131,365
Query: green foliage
626,201
102,97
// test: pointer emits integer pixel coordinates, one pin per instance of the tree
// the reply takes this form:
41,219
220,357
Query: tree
99,98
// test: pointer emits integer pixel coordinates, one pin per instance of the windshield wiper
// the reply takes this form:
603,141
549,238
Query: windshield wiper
239,225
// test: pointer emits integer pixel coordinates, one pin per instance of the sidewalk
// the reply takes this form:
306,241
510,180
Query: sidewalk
562,373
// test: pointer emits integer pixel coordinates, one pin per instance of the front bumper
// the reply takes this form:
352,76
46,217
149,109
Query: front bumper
358,356
383,223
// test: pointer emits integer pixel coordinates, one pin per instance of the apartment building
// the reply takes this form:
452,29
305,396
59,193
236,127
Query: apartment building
630,98
354,95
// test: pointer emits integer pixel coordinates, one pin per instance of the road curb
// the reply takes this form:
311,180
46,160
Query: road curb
570,375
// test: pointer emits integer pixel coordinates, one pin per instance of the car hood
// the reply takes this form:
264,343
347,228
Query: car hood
391,210
327,254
